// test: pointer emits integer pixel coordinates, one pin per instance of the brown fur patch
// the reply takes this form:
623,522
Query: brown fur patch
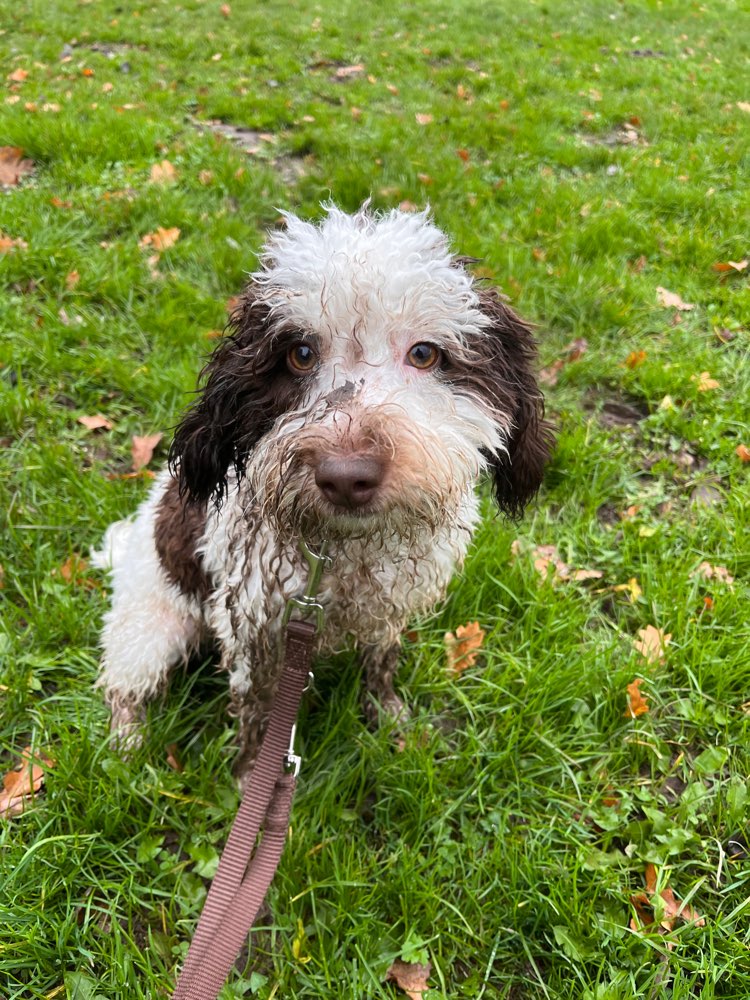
177,530
499,370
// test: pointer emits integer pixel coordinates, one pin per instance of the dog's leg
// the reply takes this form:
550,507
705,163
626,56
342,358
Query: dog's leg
150,627
379,665
251,706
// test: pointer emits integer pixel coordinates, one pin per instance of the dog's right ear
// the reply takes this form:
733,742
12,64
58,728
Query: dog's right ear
235,406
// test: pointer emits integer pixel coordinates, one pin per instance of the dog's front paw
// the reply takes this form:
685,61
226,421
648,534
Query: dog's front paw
126,728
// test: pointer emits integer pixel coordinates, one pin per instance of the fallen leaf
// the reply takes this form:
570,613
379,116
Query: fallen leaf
71,280
225,10
586,574
704,382
345,72
635,358
709,572
411,977
423,119
96,423
671,300
673,909
744,106
206,177
73,567
160,239
637,704
142,449
163,173
8,244
462,648
173,757
463,154
13,165
407,206
730,266
18,75
571,352
632,588
651,643
742,452
21,784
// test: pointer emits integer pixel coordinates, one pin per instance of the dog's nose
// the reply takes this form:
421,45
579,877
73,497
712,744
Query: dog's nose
349,481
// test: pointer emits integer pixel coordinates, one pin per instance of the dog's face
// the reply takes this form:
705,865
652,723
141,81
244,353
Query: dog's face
366,381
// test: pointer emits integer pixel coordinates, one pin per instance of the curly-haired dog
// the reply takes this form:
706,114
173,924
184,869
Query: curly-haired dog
364,387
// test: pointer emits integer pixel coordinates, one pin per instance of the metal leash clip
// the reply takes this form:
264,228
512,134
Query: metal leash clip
305,603
292,760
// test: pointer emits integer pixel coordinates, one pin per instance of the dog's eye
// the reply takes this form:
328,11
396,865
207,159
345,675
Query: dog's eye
423,356
301,358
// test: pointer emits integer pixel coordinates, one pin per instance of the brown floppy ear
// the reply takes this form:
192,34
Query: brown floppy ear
506,356
246,386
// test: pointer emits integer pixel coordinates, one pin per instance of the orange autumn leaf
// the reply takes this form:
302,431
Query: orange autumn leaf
742,452
672,908
731,266
142,449
18,75
709,572
637,704
651,643
71,280
160,239
462,648
635,358
22,783
411,977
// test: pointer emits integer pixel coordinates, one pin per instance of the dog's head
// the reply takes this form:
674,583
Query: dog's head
365,376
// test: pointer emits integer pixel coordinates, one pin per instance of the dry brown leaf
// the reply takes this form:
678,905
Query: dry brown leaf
731,266
462,648
142,450
160,239
20,784
173,757
206,177
651,643
709,572
73,566
704,382
742,452
13,165
673,908
96,423
671,300
163,173
579,575
423,119
637,704
411,977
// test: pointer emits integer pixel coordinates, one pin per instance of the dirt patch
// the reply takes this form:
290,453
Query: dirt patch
252,142
622,413
625,134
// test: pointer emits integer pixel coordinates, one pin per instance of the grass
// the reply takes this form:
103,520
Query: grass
508,838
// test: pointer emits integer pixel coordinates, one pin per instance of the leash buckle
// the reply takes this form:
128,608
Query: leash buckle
292,760
305,603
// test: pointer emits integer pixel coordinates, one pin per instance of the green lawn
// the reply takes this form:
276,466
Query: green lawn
590,154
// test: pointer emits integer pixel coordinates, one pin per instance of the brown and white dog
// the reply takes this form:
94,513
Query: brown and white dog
364,387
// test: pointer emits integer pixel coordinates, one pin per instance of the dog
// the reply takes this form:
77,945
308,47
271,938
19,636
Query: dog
365,383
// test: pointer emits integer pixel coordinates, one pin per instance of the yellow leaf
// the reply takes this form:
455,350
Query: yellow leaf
704,382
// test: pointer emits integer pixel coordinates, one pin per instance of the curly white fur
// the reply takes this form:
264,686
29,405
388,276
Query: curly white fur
364,289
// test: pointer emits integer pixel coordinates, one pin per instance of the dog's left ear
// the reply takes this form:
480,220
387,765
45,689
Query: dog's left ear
507,355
